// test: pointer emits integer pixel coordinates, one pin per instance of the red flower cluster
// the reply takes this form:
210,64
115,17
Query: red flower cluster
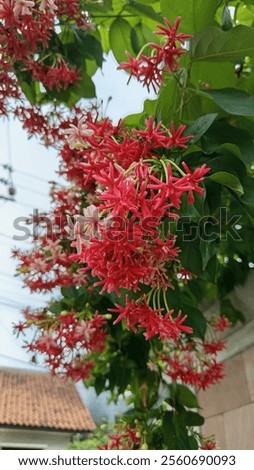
66,341
124,439
120,238
26,29
209,444
195,363
141,315
149,69
49,263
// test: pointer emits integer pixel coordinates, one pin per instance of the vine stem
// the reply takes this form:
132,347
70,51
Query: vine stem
150,295
165,300
177,167
165,170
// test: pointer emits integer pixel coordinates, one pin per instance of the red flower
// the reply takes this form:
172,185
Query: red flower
141,315
149,70
170,32
221,323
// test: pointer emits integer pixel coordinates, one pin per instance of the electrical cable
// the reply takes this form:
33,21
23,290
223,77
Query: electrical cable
35,191
29,175
21,361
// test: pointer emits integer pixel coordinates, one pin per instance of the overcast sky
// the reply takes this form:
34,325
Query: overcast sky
29,156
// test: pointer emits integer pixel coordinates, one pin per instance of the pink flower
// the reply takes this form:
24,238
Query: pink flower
48,5
23,7
78,133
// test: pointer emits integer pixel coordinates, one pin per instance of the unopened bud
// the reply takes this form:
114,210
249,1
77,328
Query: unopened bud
144,446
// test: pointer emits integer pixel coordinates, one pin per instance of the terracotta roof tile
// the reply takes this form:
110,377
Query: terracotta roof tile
39,400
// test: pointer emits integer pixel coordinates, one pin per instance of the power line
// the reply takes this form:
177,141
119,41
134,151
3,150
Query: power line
18,305
18,301
28,363
31,190
3,273
23,173
13,359
24,204
5,235
9,280
30,175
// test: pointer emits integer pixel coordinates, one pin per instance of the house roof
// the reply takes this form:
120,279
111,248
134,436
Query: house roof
38,400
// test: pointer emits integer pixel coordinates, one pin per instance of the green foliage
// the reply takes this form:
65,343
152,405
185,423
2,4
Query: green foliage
213,44
196,14
94,440
120,38
212,93
218,111
233,101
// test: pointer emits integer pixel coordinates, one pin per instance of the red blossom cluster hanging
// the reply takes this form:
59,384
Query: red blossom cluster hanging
124,439
163,58
121,237
111,227
195,363
26,30
49,264
66,341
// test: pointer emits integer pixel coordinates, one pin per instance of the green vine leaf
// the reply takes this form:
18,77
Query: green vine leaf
213,44
196,14
233,101
120,39
228,180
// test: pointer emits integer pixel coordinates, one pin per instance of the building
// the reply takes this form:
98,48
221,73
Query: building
228,407
38,411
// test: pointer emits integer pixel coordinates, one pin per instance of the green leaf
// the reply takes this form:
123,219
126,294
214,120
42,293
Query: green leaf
67,35
222,133
168,430
28,90
138,119
211,272
196,320
208,248
104,35
168,102
56,307
69,292
228,163
120,39
193,419
228,180
186,397
193,443
174,431
233,101
248,197
145,10
88,46
86,87
195,104
195,210
213,44
200,126
196,14
205,75
227,309
230,149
